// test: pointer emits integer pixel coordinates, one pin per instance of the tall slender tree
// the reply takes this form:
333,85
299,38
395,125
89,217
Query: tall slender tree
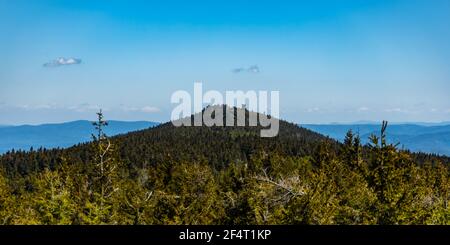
105,177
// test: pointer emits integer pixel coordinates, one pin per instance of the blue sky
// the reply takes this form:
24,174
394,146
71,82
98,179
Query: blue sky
332,61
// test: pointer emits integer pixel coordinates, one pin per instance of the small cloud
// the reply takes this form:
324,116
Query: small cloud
85,107
251,69
24,107
394,110
362,109
315,109
238,70
145,109
128,108
46,106
62,62
37,107
31,107
149,109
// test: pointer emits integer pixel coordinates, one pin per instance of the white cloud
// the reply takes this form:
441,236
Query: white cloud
362,109
128,108
46,106
149,109
61,61
84,107
238,70
81,108
34,107
390,110
405,111
315,109
251,69
145,109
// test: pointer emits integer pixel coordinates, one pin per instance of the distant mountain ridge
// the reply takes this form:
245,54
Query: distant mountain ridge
165,144
424,137
418,137
60,134
217,146
364,122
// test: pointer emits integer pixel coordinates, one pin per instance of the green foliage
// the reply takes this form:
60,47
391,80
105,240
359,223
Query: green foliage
191,197
7,200
52,199
218,175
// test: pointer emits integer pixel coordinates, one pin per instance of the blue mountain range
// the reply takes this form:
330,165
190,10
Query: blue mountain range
61,134
420,137
429,138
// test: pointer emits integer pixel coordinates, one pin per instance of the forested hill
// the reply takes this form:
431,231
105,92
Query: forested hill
224,175
217,146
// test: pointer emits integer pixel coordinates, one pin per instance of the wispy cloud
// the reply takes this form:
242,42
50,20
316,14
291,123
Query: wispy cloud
80,108
32,107
85,107
61,61
390,110
251,69
145,109
409,111
363,109
315,109
149,109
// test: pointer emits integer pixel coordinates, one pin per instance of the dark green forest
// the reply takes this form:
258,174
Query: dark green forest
224,175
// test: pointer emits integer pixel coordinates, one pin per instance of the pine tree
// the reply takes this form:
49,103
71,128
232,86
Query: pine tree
52,199
105,177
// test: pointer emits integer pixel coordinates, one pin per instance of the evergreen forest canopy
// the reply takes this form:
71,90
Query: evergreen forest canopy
224,175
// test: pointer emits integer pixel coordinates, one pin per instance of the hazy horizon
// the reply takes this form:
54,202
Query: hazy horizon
361,122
